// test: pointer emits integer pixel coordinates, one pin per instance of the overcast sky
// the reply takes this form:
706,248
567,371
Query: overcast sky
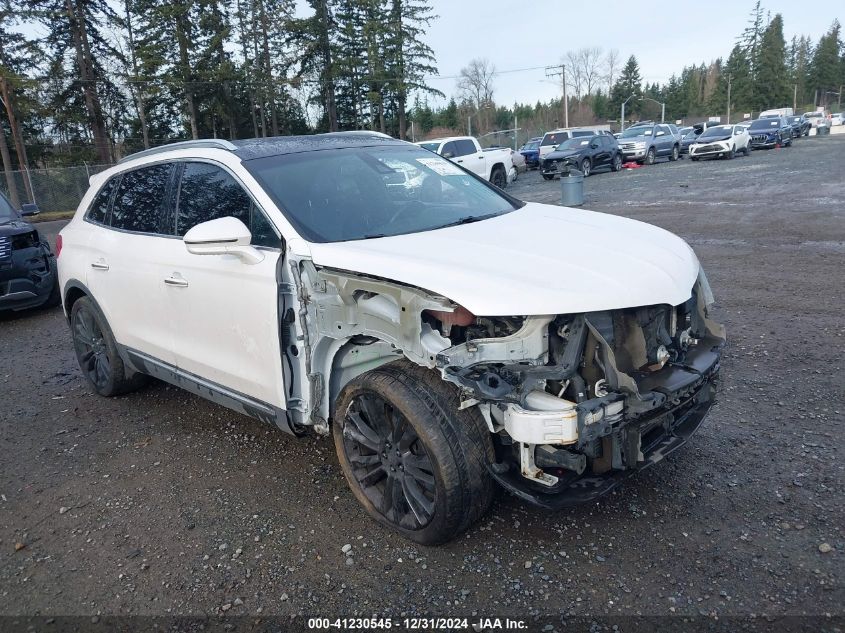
664,36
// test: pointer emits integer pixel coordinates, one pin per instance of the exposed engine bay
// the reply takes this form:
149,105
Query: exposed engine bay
587,393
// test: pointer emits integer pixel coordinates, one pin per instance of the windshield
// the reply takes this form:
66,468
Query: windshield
765,124
574,143
531,145
719,130
642,130
360,193
795,119
7,213
813,114
431,147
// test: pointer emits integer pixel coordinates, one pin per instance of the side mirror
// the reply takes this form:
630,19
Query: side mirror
594,145
223,236
29,209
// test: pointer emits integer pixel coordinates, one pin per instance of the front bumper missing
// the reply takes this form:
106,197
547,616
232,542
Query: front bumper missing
655,438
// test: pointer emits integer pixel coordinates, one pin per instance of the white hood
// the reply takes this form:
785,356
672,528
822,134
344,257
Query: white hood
540,259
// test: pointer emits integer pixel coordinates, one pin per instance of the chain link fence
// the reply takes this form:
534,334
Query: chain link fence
52,188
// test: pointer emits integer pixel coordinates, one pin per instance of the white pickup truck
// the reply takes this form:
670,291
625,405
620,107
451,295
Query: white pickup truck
494,165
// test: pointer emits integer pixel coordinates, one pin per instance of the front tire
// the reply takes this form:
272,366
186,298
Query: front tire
650,157
586,167
96,351
694,158
415,462
547,177
732,154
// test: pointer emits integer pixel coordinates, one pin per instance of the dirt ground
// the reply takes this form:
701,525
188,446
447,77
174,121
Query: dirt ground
160,503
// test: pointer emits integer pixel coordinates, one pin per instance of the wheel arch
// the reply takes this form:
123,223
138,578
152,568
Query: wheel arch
73,291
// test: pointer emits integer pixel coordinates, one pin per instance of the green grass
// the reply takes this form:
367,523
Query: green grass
49,216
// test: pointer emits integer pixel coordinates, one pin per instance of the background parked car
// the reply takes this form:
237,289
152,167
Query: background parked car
554,138
584,154
466,151
27,265
688,136
836,118
770,132
818,119
721,141
800,125
518,159
531,152
645,143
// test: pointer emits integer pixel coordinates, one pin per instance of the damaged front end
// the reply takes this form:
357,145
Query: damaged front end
578,402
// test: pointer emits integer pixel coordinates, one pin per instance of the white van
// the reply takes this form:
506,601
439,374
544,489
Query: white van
765,114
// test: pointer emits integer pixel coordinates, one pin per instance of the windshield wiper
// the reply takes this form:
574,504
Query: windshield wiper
470,219
373,236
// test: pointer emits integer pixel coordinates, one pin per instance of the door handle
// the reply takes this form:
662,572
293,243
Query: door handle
459,161
100,265
176,281
480,158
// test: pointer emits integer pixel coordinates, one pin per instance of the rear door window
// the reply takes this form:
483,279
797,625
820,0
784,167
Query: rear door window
208,192
449,150
141,198
554,138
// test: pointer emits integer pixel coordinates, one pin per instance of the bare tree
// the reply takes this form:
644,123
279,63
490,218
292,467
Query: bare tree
475,83
612,64
590,60
574,77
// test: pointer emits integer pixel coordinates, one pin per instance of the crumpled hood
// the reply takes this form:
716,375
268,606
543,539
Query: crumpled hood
15,227
540,259
712,139
563,154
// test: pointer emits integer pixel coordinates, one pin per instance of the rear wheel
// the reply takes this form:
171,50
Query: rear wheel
675,153
415,461
96,351
650,157
547,177
499,178
586,167
747,150
616,163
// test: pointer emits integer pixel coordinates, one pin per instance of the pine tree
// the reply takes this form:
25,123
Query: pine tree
408,58
826,68
629,83
77,31
771,87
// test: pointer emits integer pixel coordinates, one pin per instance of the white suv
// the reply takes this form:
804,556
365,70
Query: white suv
448,335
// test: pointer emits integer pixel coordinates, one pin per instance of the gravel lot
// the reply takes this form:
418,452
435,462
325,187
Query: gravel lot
160,503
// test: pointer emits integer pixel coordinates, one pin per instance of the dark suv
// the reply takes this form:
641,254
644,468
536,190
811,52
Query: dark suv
584,153
770,132
27,265
800,125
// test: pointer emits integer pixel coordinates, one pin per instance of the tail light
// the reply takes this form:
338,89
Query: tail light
58,244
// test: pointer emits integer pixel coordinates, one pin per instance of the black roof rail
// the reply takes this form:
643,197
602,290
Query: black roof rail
207,143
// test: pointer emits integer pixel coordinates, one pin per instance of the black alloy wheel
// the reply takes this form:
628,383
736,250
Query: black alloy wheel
389,462
91,348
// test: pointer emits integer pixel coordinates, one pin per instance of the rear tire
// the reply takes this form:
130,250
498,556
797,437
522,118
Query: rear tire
415,462
96,352
616,163
675,153
547,177
499,178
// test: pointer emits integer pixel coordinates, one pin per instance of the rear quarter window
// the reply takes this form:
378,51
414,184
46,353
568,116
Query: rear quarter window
99,210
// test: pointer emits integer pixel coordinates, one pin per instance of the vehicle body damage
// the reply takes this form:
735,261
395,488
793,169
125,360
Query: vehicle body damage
575,400
448,336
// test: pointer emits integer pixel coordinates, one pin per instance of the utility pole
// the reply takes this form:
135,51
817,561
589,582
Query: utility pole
515,128
560,71
795,97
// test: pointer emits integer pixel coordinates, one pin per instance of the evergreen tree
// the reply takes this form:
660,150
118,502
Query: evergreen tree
826,67
771,87
409,59
629,83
